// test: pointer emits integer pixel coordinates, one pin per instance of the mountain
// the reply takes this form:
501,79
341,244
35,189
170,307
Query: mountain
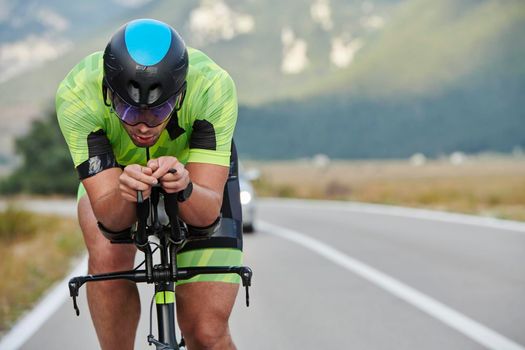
441,77
383,78
251,39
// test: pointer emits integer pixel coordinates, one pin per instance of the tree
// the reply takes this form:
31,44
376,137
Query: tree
46,164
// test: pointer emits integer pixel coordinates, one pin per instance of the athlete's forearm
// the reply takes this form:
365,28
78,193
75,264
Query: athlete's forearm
113,211
202,208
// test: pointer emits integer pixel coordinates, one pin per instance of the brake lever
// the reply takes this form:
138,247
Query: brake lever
74,286
246,277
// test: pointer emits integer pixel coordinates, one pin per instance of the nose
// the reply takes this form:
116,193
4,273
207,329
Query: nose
142,128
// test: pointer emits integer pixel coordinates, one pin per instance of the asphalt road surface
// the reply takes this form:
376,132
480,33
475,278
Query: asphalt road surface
346,276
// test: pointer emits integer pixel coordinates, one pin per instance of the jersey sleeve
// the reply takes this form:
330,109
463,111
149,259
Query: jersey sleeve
88,145
216,117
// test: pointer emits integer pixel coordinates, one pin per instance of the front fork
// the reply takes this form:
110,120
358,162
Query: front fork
165,303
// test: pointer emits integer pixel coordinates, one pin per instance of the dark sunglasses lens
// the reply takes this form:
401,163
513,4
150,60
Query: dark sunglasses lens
150,116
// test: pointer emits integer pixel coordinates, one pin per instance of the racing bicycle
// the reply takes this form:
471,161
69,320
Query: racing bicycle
162,240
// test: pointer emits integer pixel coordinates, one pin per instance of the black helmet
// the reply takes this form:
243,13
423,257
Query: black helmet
145,64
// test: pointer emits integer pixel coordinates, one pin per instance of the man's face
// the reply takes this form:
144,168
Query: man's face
142,135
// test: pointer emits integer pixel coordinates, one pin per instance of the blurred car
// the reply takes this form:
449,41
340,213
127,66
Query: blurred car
248,204
248,198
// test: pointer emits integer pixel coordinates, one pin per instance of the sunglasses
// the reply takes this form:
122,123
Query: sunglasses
152,117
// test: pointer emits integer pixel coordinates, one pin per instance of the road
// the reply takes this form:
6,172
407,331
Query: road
345,276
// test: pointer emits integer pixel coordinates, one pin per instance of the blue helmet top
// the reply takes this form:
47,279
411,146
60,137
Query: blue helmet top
147,41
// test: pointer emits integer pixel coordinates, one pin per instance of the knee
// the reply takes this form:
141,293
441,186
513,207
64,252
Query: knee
205,333
109,258
103,256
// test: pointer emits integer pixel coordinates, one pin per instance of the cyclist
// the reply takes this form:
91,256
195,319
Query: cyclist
149,93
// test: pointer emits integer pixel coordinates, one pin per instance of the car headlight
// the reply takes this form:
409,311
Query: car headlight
246,197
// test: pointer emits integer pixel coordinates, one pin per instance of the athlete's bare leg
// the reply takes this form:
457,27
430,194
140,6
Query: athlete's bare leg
114,305
203,310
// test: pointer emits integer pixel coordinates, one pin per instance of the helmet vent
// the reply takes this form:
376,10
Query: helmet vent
154,93
134,91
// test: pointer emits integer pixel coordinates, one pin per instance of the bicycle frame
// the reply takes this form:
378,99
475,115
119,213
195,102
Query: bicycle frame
172,238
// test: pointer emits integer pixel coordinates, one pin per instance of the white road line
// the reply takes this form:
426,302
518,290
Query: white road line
472,329
27,326
413,213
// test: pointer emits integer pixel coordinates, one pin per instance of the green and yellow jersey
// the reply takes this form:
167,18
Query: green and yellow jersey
201,131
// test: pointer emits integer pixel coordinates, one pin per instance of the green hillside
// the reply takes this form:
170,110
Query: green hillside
432,45
441,77
476,119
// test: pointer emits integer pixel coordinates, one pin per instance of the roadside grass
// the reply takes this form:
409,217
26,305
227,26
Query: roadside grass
492,187
36,251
